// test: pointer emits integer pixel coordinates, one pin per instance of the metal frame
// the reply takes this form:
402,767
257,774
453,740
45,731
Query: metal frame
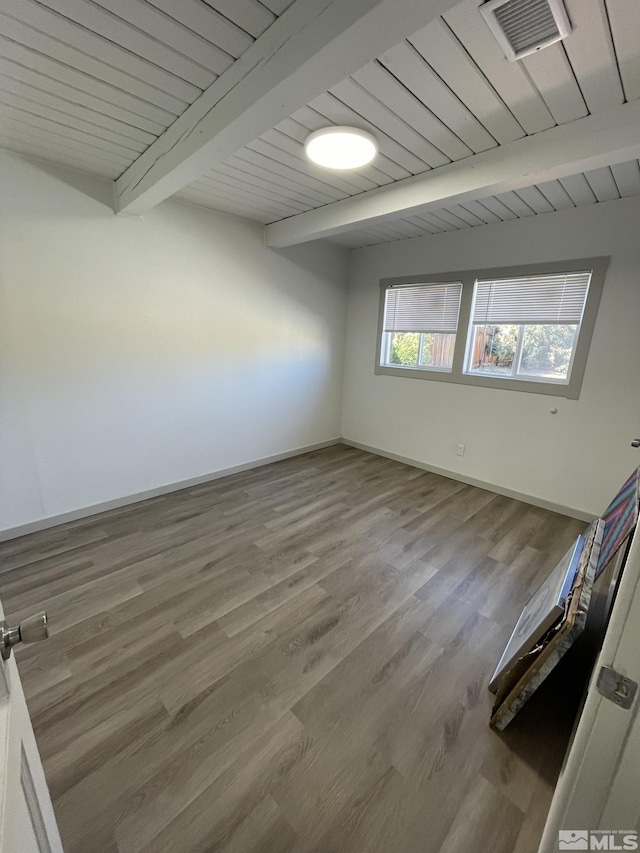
385,346
517,358
571,390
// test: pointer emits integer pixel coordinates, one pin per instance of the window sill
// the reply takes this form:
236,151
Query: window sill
519,378
528,386
416,368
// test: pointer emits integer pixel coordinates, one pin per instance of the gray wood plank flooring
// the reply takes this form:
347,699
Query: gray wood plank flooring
293,659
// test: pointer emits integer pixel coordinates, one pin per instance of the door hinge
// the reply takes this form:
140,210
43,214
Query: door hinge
615,687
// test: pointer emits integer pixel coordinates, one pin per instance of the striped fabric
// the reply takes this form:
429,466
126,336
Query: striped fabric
620,517
432,307
534,299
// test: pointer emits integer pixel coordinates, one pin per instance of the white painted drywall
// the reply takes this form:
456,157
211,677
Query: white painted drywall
576,458
135,354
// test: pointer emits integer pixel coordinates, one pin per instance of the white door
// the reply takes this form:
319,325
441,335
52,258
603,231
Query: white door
27,822
598,793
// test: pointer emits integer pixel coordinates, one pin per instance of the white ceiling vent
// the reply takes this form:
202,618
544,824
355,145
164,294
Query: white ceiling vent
524,26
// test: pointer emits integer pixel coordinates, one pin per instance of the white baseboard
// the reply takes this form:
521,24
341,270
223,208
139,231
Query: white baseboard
95,509
472,481
117,503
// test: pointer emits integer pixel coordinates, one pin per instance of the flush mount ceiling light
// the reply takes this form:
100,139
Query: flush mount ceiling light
341,147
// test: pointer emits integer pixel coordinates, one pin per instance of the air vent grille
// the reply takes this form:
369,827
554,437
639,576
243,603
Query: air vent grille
524,26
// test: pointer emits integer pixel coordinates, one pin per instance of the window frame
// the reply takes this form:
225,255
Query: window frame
457,375
386,347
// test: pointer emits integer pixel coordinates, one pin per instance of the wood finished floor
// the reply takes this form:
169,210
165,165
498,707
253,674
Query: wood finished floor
290,660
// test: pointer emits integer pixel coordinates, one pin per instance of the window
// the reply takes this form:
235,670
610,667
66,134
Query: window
523,328
527,327
420,325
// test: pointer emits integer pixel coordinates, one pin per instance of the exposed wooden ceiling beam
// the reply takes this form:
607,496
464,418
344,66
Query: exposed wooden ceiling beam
311,47
588,143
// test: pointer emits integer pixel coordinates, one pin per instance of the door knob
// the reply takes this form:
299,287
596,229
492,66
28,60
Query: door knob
31,630
635,442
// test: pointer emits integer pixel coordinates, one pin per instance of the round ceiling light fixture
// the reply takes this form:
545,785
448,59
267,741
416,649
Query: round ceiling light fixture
341,147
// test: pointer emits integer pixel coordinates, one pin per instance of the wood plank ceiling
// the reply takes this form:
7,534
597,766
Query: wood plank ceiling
92,83
583,188
446,93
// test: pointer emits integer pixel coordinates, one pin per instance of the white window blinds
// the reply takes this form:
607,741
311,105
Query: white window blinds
537,299
423,308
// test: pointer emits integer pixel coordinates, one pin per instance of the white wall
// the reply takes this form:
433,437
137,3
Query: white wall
576,458
135,354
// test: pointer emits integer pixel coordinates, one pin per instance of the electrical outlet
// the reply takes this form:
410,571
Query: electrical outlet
460,450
